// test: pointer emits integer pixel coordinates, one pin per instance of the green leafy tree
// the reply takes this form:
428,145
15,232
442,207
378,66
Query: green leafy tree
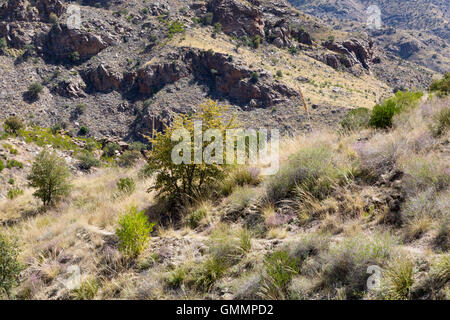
185,181
49,175
10,267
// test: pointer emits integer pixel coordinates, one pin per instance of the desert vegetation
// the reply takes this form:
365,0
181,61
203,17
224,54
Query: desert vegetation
372,193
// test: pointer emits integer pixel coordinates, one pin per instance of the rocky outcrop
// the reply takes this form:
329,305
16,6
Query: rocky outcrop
282,33
71,88
353,51
408,48
153,77
18,10
23,10
103,79
238,18
62,41
17,34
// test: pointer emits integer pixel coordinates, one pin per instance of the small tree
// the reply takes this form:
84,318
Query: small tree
9,265
13,125
183,181
49,174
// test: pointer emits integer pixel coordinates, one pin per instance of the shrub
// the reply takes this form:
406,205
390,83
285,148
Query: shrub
185,181
207,19
35,89
256,42
382,115
10,266
13,125
3,44
441,86
240,176
441,122
80,109
109,150
126,185
134,232
53,18
49,175
399,278
217,27
128,158
2,165
254,77
279,268
346,264
311,169
356,119
138,146
14,193
87,160
195,217
14,164
83,131
176,27
87,290
74,56
279,73
176,277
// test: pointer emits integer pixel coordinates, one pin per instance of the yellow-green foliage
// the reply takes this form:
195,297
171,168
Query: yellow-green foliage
184,181
134,232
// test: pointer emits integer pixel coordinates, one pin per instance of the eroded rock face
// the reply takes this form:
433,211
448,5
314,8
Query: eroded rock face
237,17
63,41
17,34
153,77
353,51
71,88
18,10
47,7
408,48
103,79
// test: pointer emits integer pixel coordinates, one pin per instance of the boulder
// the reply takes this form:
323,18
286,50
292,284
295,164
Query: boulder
238,18
102,78
62,41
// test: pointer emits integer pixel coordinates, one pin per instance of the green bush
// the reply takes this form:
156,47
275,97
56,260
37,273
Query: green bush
13,125
356,119
441,86
2,165
35,89
138,146
74,56
110,149
398,279
207,19
383,114
83,131
134,232
279,268
87,161
3,44
14,164
10,267
80,109
185,181
14,193
126,185
441,122
49,175
128,158
195,217
311,169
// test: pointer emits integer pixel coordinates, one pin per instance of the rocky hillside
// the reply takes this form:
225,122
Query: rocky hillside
130,65
416,30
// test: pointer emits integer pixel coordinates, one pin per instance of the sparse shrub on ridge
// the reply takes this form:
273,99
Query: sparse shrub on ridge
442,87
128,158
87,160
